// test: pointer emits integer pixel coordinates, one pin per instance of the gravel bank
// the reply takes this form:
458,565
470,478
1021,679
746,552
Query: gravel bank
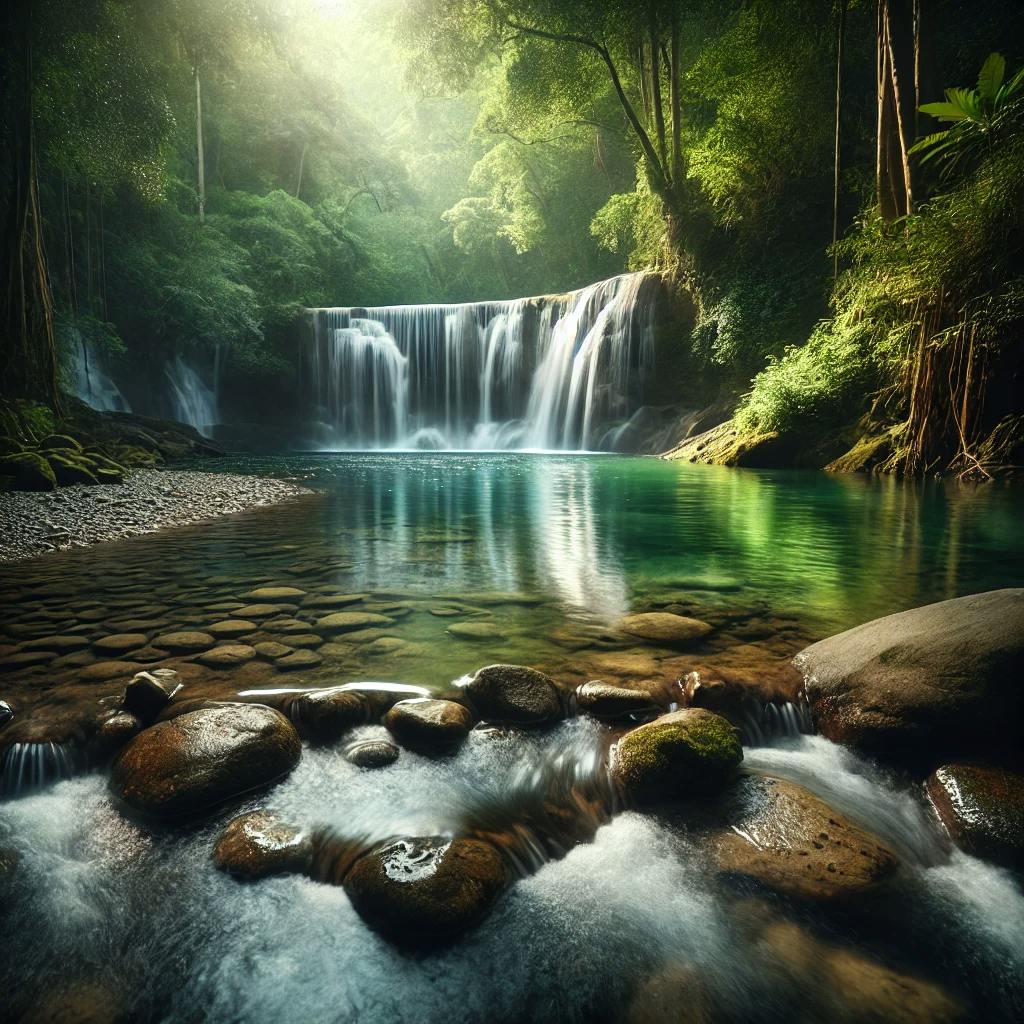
33,523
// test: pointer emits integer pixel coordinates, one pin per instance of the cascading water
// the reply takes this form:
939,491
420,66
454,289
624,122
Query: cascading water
551,372
90,381
192,400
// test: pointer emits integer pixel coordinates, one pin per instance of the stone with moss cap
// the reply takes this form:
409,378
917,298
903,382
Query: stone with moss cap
681,754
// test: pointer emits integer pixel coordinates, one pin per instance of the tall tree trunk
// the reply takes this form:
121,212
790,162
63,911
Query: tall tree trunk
895,43
656,102
840,46
28,349
200,151
676,106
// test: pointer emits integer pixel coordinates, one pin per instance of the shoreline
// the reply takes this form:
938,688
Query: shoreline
37,523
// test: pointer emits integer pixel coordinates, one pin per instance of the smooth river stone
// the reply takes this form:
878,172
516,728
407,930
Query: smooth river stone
186,641
788,839
274,594
476,631
232,627
101,671
227,656
664,628
26,659
305,640
332,600
347,622
57,644
119,643
272,650
260,611
298,660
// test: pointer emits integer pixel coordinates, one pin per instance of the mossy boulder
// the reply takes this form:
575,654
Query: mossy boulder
683,754
59,442
30,471
71,468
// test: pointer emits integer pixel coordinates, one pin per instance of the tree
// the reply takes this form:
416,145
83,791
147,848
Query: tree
897,43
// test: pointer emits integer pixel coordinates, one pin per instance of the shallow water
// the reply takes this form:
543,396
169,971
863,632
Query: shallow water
548,551
99,898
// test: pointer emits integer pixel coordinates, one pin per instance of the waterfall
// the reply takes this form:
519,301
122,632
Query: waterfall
26,767
550,372
90,382
192,400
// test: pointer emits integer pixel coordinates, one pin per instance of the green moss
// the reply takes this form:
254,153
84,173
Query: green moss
59,442
71,469
31,472
26,421
685,753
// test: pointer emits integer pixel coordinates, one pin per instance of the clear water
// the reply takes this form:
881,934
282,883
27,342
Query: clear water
549,550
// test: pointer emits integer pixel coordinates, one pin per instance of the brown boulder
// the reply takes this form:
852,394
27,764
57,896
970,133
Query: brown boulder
199,759
928,684
326,715
258,844
372,754
423,893
664,628
982,809
784,837
514,694
603,700
429,726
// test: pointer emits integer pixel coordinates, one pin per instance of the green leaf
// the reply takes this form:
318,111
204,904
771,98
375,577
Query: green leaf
991,76
928,141
944,111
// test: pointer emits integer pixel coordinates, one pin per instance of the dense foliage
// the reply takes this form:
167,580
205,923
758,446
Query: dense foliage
208,167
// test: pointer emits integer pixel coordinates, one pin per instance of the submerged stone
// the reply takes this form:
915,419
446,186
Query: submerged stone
372,754
347,622
185,641
424,893
476,631
982,809
274,594
514,694
227,656
682,754
232,628
120,643
664,628
298,660
199,759
784,837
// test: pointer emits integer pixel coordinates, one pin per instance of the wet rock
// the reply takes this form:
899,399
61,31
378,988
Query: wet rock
928,684
982,809
184,642
298,660
271,650
326,715
202,758
372,754
514,694
682,754
660,998
148,693
78,1002
664,628
258,844
347,622
384,645
429,726
120,643
6,713
786,838
30,470
476,631
231,628
112,733
274,594
227,656
611,702
424,893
